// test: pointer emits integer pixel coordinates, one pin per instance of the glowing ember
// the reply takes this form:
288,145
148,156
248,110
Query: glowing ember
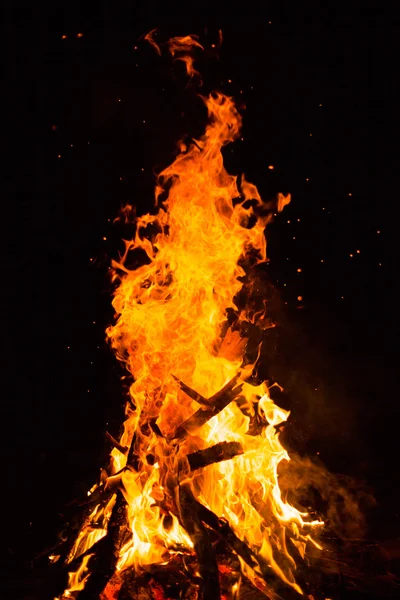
191,390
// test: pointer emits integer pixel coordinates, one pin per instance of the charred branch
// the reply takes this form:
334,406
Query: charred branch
222,527
207,562
100,495
74,563
104,561
192,393
214,454
275,587
218,402
133,457
116,444
155,428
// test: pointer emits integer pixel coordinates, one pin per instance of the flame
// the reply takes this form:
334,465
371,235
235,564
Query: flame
179,47
171,327
77,580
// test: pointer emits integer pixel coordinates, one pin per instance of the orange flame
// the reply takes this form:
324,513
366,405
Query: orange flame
180,48
171,314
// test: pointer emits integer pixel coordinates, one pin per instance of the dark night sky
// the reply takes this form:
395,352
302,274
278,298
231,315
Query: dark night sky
319,90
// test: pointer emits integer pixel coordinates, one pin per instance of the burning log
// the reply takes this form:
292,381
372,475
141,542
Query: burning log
116,444
217,403
75,562
104,561
208,567
254,561
192,393
133,458
214,454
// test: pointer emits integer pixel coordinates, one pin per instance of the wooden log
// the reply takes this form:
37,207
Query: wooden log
222,527
207,562
116,444
74,563
155,427
192,393
214,454
133,457
104,561
218,402
276,588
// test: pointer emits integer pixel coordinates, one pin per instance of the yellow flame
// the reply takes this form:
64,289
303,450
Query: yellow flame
77,580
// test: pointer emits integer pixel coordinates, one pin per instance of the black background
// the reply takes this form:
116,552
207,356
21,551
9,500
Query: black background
114,114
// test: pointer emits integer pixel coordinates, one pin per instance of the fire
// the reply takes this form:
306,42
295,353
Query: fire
172,333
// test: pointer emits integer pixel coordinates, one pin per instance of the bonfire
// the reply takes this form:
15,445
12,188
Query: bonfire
190,504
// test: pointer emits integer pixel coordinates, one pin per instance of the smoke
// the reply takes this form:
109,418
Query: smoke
342,501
